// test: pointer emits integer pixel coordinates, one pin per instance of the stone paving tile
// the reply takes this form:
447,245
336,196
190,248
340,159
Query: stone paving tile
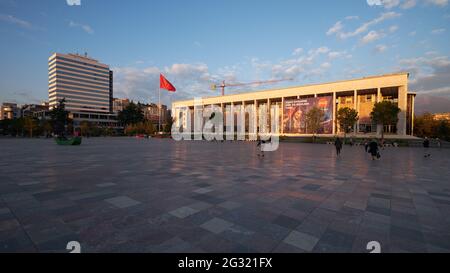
122,202
202,190
216,225
229,205
183,212
104,185
301,240
174,200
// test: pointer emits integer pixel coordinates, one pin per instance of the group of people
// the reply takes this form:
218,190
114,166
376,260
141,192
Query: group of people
371,147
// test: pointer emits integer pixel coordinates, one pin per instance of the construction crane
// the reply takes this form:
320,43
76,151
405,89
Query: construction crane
223,84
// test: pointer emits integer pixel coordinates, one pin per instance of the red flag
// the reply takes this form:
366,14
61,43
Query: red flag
165,84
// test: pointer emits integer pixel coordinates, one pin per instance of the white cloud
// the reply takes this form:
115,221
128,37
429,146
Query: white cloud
352,17
312,64
412,33
371,37
364,28
380,48
440,3
325,65
338,54
429,74
438,31
88,29
336,28
15,21
388,4
374,2
73,2
191,80
297,51
393,29
407,4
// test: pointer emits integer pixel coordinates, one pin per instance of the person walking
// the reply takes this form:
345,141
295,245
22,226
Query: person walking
261,149
338,145
439,144
426,146
366,145
374,150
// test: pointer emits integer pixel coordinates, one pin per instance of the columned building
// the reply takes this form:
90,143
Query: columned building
293,103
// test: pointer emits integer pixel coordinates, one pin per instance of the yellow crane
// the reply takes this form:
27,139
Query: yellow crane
223,84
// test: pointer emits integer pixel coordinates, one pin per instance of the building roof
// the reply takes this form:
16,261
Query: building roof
388,79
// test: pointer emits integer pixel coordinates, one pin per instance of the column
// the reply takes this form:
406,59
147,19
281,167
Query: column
355,106
255,117
282,116
268,116
413,99
334,113
245,124
379,99
402,104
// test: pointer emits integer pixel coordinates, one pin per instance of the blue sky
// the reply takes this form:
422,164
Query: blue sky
196,43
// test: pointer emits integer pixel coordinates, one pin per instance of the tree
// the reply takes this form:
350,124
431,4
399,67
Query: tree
59,117
385,113
443,129
132,114
85,128
46,127
169,123
424,125
347,117
17,126
30,124
314,119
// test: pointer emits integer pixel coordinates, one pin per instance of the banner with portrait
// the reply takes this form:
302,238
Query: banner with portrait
295,111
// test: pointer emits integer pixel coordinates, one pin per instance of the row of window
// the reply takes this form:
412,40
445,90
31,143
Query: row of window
76,61
59,68
63,87
74,96
59,63
94,116
76,82
88,79
80,102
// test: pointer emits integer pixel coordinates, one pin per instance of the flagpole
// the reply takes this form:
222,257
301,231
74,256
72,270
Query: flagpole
159,109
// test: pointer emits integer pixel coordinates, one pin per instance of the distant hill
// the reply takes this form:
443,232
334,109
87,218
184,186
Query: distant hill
432,104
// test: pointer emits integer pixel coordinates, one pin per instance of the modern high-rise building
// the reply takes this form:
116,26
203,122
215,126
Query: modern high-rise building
83,82
86,85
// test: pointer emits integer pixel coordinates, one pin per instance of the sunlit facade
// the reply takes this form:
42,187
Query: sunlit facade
293,103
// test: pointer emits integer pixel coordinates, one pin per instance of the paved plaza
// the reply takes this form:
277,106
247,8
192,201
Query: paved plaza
158,195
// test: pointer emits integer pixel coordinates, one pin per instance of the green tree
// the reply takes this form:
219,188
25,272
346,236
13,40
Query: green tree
170,122
314,119
46,127
424,125
442,130
85,128
59,117
385,113
30,124
132,114
347,117
17,126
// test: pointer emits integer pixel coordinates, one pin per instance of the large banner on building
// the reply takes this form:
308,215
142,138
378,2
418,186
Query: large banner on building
295,111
